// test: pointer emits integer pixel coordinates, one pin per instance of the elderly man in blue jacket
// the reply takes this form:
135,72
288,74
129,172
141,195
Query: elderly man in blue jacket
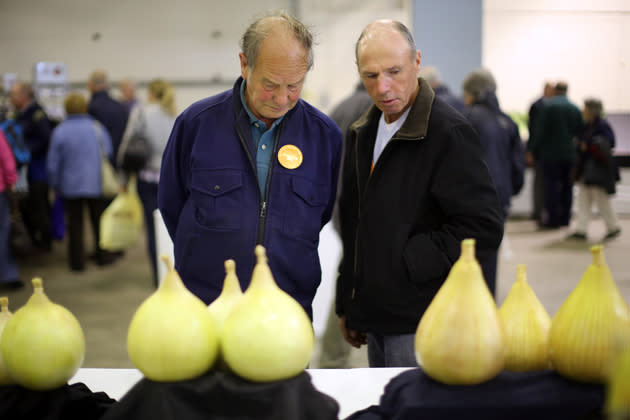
253,165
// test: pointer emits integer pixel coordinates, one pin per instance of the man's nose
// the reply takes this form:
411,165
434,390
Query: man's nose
282,96
382,83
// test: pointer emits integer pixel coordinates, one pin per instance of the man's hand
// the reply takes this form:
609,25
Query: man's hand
529,159
355,338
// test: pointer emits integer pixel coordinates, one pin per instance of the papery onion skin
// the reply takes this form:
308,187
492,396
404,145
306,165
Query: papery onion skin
231,293
617,403
526,325
42,344
583,331
459,340
172,336
268,336
5,314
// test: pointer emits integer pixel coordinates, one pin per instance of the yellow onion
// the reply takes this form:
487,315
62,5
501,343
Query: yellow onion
5,314
526,325
172,336
583,331
268,336
617,405
221,307
42,343
459,340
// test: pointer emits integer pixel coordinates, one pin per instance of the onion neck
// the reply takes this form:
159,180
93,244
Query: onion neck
598,255
468,249
521,273
4,304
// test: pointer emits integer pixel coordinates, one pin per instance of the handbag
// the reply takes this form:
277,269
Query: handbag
109,180
135,148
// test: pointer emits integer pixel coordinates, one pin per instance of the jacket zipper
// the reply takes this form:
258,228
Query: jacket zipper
262,213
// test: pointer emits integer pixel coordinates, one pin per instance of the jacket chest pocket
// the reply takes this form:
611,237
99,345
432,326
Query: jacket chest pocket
218,199
305,208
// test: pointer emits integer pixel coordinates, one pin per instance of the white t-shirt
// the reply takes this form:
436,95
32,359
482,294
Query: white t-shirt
386,132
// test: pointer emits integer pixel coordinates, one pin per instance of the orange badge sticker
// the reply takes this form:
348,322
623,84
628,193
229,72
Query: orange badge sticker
290,156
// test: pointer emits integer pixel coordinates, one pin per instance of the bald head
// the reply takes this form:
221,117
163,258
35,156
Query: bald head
385,25
127,89
21,95
278,25
97,81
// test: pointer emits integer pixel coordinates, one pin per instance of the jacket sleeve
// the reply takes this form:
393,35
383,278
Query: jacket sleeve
517,163
465,195
7,162
335,139
39,132
52,160
172,190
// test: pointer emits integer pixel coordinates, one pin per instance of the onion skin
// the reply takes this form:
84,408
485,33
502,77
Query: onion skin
526,325
583,331
5,314
268,336
42,344
172,336
617,403
231,293
459,340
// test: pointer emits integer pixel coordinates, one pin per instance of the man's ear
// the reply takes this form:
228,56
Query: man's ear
244,68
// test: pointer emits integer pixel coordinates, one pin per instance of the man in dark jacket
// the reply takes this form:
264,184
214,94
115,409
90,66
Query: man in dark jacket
538,192
414,186
558,123
501,143
37,130
253,165
432,76
109,112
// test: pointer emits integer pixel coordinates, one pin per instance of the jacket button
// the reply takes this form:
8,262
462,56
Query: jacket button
217,187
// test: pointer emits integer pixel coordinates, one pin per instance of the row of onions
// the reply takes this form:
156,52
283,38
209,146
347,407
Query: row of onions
261,335
264,335
464,339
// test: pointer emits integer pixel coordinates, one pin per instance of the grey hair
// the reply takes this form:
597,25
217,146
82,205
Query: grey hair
430,74
258,31
398,27
594,107
478,83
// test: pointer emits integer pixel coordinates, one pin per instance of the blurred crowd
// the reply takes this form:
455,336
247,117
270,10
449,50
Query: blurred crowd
58,189
51,170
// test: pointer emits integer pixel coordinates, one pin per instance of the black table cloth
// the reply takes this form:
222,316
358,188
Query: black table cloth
542,395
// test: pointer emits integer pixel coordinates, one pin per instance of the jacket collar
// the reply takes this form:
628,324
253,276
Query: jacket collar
417,123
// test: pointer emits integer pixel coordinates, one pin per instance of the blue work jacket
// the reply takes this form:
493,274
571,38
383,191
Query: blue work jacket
213,208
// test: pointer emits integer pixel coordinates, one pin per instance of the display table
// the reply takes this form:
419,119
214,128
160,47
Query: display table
354,389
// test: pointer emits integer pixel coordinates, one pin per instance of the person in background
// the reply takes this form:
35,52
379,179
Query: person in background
502,147
127,89
414,172
335,350
9,273
37,129
109,112
597,172
73,165
557,124
155,122
253,165
549,91
432,76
